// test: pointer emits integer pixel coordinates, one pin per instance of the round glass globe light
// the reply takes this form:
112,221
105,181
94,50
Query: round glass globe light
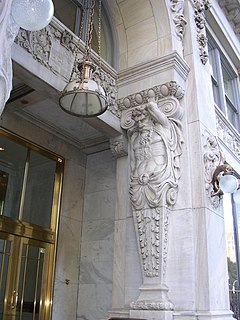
228,183
32,15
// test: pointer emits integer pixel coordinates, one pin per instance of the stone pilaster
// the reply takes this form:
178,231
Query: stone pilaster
8,32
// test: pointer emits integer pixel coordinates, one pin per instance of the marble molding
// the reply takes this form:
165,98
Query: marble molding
8,32
155,139
200,6
177,8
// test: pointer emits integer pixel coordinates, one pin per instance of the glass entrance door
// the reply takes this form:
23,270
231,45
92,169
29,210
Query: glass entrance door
24,278
30,190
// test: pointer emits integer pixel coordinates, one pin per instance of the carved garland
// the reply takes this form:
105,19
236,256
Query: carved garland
200,6
177,8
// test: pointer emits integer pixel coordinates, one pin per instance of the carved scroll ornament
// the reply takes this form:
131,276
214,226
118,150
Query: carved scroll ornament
177,7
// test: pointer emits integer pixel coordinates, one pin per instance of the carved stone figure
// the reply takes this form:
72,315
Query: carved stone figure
155,142
154,131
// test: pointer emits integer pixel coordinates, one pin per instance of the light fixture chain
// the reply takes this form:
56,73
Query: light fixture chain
83,16
90,28
77,47
99,34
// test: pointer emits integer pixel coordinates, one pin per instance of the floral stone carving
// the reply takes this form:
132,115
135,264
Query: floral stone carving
200,6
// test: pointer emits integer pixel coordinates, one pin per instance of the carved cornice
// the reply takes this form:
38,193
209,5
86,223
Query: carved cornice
228,135
59,51
170,62
169,89
200,6
177,8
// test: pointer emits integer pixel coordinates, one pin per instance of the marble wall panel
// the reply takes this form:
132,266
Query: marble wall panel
143,53
65,300
180,274
141,34
135,11
97,242
217,261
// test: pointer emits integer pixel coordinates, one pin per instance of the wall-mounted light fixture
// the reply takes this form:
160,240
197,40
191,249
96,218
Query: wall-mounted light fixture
224,181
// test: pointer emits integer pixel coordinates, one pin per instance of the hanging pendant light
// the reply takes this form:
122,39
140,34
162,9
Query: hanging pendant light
84,97
32,15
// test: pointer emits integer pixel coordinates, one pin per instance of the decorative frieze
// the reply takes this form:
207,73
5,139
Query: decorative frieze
200,6
177,8
229,136
212,158
231,9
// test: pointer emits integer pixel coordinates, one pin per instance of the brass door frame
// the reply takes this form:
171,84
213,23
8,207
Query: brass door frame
12,293
17,229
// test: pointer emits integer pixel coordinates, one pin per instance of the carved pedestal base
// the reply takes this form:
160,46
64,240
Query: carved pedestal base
151,314
153,297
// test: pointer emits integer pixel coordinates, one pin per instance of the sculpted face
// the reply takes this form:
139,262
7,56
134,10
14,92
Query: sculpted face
142,119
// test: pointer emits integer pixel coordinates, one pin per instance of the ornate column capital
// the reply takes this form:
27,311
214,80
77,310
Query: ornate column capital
156,93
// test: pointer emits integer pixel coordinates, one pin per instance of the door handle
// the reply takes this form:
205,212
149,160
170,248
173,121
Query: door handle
14,299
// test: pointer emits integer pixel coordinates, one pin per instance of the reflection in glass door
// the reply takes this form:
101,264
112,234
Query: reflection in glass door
30,190
5,247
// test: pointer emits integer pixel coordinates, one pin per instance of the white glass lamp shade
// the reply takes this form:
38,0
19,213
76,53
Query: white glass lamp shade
83,98
32,15
228,183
